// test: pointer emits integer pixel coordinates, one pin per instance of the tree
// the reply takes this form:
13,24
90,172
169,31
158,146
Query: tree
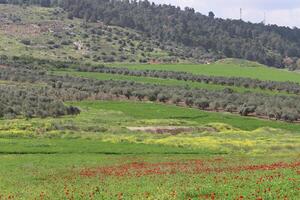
202,103
288,61
45,3
298,64
26,42
211,15
246,110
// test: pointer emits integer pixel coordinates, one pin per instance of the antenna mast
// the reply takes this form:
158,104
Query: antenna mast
241,14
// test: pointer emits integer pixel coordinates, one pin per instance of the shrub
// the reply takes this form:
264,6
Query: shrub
26,42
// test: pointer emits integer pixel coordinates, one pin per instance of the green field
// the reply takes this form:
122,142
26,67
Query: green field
222,69
128,112
159,111
94,156
98,176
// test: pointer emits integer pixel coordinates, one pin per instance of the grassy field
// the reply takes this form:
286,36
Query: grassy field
223,69
108,121
94,156
155,176
102,114
141,111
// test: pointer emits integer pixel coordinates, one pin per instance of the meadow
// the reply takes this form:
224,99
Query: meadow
231,68
151,176
94,155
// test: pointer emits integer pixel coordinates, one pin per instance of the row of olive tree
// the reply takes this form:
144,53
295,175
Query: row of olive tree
31,102
66,88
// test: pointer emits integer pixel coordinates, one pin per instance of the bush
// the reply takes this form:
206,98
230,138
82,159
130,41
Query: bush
66,42
26,42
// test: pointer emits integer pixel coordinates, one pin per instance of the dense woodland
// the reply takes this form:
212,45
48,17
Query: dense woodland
66,88
203,37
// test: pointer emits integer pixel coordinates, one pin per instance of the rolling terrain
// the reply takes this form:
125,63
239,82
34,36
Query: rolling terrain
92,110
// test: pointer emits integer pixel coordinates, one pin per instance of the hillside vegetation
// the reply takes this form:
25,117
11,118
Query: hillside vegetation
205,36
184,34
47,33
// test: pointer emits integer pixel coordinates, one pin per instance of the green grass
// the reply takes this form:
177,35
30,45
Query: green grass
222,69
107,121
45,146
138,110
70,157
60,177
119,114
160,81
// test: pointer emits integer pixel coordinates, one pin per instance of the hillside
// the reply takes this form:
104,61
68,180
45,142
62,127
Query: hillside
47,33
203,35
165,33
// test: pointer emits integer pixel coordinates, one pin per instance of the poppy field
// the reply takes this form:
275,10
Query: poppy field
150,177
95,156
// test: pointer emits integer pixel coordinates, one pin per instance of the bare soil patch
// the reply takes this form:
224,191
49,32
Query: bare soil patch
171,129
30,29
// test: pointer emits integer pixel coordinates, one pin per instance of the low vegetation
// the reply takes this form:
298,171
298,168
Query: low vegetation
79,156
47,33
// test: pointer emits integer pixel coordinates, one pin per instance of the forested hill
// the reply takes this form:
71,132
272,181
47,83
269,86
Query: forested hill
202,35
231,38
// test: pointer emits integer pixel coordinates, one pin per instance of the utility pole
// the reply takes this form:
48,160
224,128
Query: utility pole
241,14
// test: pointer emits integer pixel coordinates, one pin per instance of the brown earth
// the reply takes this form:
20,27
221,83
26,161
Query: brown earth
30,29
171,129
